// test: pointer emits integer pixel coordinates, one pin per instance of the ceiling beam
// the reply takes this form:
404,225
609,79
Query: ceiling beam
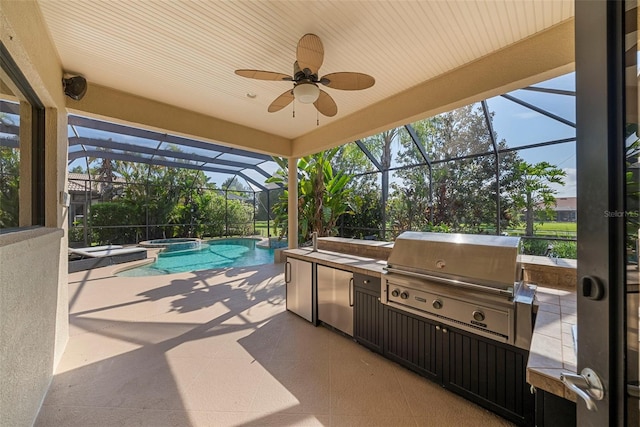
538,110
417,142
369,155
9,107
9,129
131,157
87,122
252,181
550,90
159,162
116,106
114,145
9,142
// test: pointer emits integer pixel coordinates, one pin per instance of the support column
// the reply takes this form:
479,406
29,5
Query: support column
269,216
293,203
385,197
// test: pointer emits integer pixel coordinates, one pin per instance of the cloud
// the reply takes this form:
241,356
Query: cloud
570,184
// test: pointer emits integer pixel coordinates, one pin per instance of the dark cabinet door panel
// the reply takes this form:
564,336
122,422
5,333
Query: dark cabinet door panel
489,373
367,325
413,342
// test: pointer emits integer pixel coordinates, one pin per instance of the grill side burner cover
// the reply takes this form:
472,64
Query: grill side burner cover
491,260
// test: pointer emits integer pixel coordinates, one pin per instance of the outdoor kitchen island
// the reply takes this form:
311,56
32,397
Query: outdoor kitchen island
487,372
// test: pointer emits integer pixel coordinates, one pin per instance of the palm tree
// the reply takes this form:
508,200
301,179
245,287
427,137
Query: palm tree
535,191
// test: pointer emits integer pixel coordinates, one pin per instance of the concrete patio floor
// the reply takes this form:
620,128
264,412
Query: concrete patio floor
218,348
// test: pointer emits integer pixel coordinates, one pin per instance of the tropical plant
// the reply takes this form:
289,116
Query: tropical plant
366,219
323,194
9,180
632,179
534,193
105,174
9,187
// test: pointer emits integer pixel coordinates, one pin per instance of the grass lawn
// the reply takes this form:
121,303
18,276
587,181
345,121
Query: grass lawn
550,228
261,229
557,226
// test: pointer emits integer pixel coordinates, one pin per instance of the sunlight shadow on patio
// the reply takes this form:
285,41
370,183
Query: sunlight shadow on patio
218,348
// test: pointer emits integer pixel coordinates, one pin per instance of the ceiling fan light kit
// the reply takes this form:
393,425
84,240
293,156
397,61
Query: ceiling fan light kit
309,58
306,92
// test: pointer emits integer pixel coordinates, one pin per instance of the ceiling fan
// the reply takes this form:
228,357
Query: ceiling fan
309,57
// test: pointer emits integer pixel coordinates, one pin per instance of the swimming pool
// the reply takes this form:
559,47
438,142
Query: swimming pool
214,254
173,244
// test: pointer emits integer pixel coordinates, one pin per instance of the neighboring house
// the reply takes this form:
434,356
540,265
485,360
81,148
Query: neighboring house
84,190
565,209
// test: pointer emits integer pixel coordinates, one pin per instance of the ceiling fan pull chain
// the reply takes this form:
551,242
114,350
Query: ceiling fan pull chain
294,108
317,118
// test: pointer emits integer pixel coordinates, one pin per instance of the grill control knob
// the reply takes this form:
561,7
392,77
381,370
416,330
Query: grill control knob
437,304
404,295
478,315
395,292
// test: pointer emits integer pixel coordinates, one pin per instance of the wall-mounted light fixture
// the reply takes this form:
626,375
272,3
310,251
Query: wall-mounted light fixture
74,87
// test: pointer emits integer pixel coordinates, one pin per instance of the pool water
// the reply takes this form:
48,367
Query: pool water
216,254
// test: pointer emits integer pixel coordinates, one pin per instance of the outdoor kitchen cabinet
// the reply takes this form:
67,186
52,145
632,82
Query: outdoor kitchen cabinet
298,276
335,298
414,342
484,371
489,373
367,312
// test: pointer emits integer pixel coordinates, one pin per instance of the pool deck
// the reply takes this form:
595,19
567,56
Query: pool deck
218,348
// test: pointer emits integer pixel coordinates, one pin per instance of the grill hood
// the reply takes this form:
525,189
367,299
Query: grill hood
488,260
471,282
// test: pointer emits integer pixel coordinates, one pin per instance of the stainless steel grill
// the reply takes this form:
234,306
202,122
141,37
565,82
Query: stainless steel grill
472,282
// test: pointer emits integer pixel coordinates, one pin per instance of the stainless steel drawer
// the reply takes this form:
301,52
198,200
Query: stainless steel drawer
368,282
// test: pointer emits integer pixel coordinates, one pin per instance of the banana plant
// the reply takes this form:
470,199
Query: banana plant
323,194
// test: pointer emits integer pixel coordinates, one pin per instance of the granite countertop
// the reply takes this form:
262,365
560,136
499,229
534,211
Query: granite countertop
353,263
550,262
552,350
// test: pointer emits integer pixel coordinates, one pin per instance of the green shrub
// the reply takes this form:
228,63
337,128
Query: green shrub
105,215
437,228
566,249
534,247
560,249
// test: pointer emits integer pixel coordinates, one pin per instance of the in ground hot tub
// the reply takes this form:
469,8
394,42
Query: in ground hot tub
173,245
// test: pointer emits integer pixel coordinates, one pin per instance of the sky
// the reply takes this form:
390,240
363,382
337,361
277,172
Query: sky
519,126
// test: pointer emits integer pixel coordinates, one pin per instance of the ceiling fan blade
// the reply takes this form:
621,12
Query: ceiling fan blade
310,53
348,81
282,101
326,105
263,75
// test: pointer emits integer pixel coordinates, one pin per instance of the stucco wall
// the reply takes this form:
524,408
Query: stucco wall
33,263
28,294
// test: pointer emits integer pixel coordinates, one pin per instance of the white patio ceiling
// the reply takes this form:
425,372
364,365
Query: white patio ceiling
184,53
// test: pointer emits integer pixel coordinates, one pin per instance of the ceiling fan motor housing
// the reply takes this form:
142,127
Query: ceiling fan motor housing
306,74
